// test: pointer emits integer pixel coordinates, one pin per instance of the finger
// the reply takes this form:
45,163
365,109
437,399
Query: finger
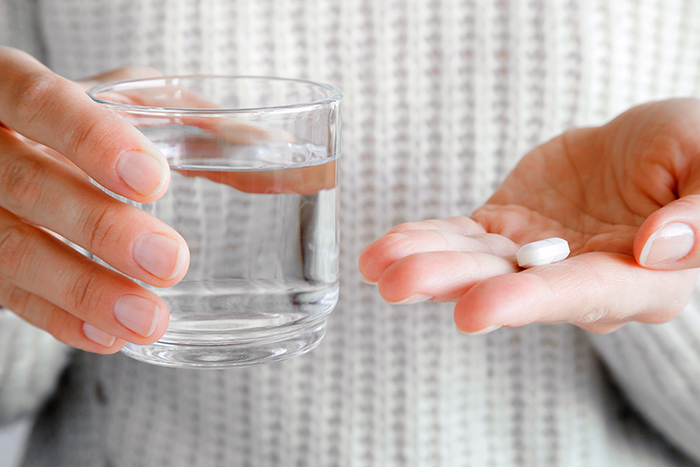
172,96
55,112
302,180
456,225
586,289
602,327
240,132
42,265
372,262
159,93
59,323
44,192
119,74
668,238
380,255
48,151
441,275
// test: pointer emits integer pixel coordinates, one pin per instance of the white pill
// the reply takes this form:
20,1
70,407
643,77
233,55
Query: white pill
543,252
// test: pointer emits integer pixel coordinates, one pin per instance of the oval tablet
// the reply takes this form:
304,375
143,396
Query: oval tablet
542,252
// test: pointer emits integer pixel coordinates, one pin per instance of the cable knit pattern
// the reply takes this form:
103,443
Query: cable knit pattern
442,99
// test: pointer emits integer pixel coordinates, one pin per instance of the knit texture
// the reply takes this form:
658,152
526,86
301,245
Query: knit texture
442,99
30,361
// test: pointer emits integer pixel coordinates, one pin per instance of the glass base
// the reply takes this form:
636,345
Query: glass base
230,354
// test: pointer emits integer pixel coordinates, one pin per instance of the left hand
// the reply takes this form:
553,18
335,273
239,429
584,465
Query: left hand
610,191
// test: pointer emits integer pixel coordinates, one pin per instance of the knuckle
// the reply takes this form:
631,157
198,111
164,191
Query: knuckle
14,250
14,298
86,136
21,180
31,95
85,292
101,226
17,300
56,322
46,317
593,315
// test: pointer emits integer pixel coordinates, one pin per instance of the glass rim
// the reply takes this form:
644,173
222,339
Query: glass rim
335,96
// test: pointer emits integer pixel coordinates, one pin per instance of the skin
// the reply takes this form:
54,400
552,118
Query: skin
303,180
53,139
605,190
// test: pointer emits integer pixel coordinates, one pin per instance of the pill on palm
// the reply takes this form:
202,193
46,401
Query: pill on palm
542,252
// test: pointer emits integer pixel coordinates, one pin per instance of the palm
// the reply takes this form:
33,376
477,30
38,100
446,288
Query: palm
594,187
558,191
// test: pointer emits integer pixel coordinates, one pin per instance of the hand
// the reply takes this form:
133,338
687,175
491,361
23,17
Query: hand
306,180
300,180
42,279
626,196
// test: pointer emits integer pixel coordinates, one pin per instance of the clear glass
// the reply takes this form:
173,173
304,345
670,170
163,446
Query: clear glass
254,193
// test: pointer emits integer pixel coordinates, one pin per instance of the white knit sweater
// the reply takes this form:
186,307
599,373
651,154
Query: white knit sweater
442,98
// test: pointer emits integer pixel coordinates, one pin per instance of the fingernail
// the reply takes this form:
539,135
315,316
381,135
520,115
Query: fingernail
159,255
671,243
97,336
412,299
482,332
137,314
367,281
145,174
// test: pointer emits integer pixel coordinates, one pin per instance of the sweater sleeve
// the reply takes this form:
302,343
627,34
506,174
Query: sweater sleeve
30,362
658,367
30,359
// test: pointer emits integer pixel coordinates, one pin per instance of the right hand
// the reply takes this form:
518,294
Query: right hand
608,190
43,280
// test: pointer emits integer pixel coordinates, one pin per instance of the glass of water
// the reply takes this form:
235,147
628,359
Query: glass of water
253,191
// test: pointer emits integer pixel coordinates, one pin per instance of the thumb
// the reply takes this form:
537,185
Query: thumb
669,238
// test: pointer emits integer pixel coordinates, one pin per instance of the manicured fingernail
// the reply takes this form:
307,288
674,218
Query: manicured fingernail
97,336
671,243
144,173
482,332
412,299
137,313
159,255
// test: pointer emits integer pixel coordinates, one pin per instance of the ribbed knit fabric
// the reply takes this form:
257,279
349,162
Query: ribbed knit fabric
442,99
30,361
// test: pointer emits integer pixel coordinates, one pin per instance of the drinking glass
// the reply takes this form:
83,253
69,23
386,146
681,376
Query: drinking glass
253,192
